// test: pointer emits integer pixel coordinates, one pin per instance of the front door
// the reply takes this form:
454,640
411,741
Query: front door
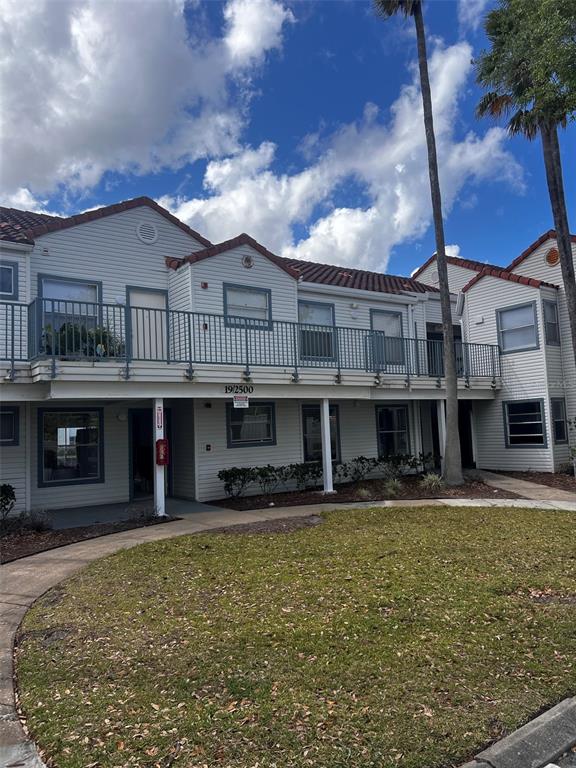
142,453
465,432
149,326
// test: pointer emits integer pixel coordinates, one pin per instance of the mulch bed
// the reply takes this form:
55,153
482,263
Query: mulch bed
21,544
367,490
558,480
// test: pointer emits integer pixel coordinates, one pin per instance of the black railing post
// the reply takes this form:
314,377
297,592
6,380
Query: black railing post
190,371
295,331
337,345
13,334
246,341
128,344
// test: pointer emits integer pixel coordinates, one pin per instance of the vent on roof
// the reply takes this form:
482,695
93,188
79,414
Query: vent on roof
147,232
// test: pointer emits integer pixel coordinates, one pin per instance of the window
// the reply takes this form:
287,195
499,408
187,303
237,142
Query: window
312,433
388,345
317,335
559,427
392,426
71,447
551,327
9,280
9,425
69,301
524,422
252,426
244,305
517,328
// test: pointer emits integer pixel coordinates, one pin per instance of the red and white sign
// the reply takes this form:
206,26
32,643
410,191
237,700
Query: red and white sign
241,401
159,417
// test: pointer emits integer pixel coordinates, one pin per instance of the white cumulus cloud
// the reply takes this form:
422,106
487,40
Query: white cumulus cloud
385,158
471,13
91,86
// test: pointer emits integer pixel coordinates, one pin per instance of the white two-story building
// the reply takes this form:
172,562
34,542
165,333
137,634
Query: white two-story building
122,326
529,423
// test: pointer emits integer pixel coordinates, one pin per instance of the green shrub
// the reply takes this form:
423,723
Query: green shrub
393,487
360,468
364,493
341,472
431,481
268,478
305,474
7,502
236,480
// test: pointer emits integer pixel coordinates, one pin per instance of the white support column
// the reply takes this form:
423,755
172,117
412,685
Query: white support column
326,445
159,470
441,430
416,428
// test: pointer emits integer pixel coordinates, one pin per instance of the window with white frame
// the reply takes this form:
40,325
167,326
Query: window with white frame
517,328
252,426
524,423
551,325
69,302
312,432
70,446
316,320
388,345
9,422
245,305
559,425
8,280
392,428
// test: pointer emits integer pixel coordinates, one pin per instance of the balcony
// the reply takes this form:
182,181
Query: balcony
59,331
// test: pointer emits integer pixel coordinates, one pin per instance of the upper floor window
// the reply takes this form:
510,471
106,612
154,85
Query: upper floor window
524,422
317,336
9,280
252,426
9,418
551,326
388,345
245,305
517,328
69,301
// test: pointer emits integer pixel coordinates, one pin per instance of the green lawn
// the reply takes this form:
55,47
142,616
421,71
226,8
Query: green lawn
383,637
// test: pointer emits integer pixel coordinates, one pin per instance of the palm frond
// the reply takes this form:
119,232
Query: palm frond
388,8
494,104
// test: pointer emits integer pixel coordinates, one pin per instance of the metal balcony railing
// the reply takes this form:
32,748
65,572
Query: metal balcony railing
80,331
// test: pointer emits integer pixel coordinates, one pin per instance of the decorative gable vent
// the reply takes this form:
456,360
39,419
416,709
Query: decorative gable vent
552,257
147,232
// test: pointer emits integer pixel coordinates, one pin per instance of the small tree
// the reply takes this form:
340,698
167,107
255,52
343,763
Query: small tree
7,502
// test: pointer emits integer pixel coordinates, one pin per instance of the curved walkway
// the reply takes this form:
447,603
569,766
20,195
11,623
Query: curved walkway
23,581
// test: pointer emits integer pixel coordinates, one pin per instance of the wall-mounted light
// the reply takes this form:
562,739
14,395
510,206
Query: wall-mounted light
204,285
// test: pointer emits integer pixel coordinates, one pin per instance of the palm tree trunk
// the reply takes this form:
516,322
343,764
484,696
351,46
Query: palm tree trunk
553,164
452,459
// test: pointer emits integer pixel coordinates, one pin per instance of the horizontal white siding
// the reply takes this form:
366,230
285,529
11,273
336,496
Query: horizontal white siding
182,448
358,437
13,461
109,250
523,376
14,319
356,312
457,276
115,487
179,289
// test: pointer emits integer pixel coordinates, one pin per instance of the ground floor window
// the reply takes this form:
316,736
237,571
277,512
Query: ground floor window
392,426
252,426
312,432
524,423
560,430
9,416
71,446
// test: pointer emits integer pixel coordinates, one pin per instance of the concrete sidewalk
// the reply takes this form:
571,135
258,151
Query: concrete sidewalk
525,488
23,581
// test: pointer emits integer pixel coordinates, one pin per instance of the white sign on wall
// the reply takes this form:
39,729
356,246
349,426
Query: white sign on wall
241,401
159,417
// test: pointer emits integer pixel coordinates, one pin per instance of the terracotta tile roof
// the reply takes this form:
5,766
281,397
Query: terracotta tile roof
477,266
550,235
15,224
25,226
505,274
311,272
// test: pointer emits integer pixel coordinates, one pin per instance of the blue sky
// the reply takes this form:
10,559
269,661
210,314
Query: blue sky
296,122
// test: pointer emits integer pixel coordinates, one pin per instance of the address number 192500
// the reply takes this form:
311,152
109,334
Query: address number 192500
238,389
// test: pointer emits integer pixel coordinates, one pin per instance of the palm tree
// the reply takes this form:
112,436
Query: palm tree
452,470
526,72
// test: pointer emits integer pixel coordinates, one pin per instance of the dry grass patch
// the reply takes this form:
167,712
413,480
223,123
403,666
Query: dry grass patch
384,637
